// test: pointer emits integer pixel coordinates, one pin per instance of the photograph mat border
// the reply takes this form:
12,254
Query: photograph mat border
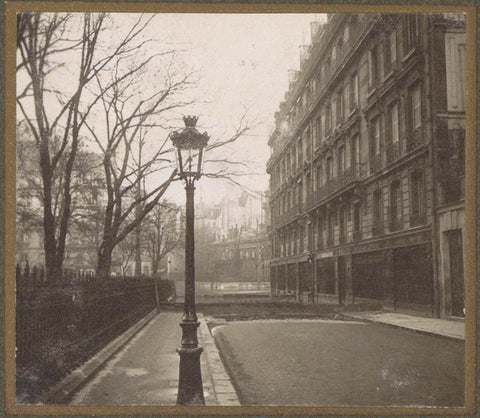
9,203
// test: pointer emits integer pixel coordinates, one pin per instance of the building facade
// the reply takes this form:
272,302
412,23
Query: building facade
231,242
367,164
242,256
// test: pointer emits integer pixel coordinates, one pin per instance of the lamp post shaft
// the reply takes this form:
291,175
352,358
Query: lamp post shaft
190,387
189,311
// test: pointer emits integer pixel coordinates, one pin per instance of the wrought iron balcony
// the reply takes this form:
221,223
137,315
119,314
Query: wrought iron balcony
327,189
350,175
320,243
393,151
330,241
376,163
353,174
417,218
395,225
291,213
415,138
357,235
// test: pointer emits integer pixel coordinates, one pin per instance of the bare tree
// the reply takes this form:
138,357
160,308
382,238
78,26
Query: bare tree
132,115
127,250
46,42
120,98
161,233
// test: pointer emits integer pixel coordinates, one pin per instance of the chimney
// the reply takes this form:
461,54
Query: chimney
303,53
314,28
292,77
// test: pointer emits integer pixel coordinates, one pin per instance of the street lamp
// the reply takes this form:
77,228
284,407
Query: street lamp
189,144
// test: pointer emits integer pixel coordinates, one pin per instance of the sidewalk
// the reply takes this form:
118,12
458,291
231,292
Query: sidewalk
145,370
449,328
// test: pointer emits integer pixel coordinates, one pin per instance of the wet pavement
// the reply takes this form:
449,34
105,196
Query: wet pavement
145,371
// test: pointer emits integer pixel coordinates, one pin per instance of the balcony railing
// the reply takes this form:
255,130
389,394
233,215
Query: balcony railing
320,244
357,235
376,163
330,241
395,225
415,139
417,218
289,214
351,175
393,151
327,189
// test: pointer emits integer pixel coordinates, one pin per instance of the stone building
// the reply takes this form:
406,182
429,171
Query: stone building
242,256
367,164
231,243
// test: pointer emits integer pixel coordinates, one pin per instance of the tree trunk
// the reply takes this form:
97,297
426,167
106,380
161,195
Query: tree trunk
53,267
138,255
155,263
104,263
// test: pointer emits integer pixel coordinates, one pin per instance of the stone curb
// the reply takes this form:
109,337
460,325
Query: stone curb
222,386
59,393
415,330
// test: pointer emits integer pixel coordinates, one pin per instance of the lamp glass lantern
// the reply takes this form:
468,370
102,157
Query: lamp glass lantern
189,146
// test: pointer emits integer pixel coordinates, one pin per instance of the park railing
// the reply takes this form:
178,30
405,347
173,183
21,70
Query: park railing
61,325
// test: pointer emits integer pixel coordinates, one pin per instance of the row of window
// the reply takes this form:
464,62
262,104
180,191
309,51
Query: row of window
378,61
345,98
244,254
332,166
383,56
348,152
297,240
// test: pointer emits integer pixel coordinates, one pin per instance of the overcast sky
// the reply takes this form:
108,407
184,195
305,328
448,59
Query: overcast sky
243,62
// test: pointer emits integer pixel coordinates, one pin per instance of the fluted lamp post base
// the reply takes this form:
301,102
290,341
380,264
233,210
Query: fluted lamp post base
190,386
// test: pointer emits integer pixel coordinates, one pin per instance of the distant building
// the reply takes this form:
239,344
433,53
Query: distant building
242,257
367,164
231,239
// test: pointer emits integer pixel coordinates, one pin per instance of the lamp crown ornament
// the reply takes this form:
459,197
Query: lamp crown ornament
190,121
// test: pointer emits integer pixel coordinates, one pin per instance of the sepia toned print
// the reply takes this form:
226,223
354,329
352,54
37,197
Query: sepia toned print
212,211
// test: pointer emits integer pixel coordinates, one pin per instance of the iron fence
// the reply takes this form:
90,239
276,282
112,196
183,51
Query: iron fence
61,325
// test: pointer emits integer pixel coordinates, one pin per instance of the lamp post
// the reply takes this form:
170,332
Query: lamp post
189,144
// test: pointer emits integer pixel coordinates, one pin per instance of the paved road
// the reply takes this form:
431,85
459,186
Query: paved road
335,363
